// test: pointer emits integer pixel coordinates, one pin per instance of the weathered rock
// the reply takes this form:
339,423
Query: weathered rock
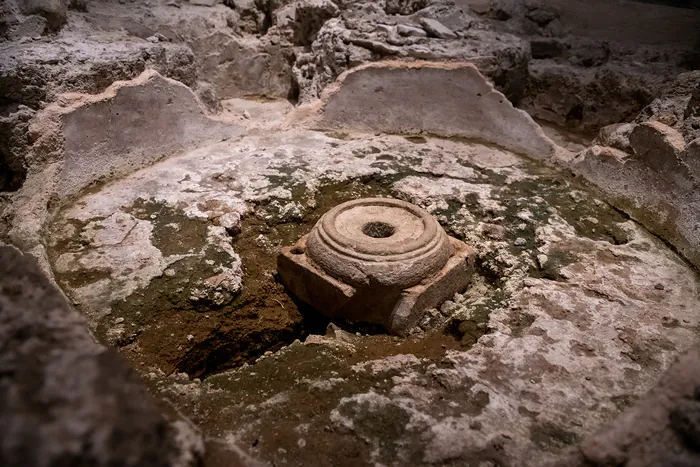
693,108
663,428
334,332
248,17
306,18
207,95
130,26
63,399
527,17
667,111
78,5
8,18
619,89
616,136
329,57
541,15
238,67
342,44
691,158
239,51
503,10
582,97
546,48
587,96
231,222
661,198
34,74
14,142
676,106
404,7
690,128
635,24
410,31
24,26
588,53
674,102
435,28
384,97
659,145
54,11
334,337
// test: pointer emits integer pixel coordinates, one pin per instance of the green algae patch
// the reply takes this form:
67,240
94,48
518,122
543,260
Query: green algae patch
306,392
590,217
173,232
471,329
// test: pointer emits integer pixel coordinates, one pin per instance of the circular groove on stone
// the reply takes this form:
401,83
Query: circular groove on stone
406,244
408,216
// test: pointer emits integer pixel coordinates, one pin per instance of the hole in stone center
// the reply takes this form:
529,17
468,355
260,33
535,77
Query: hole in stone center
378,229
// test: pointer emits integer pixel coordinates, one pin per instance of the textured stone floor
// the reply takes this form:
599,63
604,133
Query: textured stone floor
574,313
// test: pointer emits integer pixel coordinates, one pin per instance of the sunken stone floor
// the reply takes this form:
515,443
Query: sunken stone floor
574,310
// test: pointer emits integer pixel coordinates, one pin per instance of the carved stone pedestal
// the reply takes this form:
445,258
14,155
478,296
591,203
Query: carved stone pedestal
376,260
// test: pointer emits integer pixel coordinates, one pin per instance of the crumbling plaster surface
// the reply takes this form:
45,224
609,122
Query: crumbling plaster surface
82,140
454,99
129,126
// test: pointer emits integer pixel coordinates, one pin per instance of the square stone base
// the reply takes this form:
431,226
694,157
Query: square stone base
396,310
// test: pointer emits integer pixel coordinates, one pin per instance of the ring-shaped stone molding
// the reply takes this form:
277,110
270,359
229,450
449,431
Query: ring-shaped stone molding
417,248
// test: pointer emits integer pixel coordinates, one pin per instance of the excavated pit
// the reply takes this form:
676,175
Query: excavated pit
263,297
160,205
